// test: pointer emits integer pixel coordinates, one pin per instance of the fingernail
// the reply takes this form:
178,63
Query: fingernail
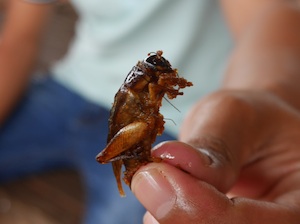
153,190
149,219
209,157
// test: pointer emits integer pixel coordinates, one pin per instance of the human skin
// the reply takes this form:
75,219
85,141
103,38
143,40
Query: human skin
238,158
19,48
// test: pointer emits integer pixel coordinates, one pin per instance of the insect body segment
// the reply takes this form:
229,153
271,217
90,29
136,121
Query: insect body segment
135,120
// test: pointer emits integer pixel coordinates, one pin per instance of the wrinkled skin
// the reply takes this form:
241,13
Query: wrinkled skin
135,120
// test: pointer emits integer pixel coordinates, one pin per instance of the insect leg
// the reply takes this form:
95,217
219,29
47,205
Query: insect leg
123,140
117,165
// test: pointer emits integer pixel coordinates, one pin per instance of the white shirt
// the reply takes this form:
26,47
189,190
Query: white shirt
112,35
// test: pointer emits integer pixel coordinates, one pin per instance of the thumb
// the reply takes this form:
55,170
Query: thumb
172,196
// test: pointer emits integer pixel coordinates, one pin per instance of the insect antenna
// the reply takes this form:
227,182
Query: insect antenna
169,119
172,104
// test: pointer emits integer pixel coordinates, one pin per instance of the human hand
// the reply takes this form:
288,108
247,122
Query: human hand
240,163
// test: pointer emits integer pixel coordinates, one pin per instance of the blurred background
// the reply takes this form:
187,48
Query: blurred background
57,196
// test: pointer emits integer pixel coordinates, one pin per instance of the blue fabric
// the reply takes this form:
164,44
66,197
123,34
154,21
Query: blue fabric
53,128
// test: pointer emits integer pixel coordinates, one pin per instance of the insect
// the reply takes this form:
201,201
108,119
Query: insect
135,120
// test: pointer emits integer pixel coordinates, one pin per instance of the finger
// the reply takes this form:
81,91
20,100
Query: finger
204,164
149,219
172,196
223,118
243,127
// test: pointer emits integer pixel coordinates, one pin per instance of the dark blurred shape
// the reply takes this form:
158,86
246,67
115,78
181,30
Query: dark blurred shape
55,197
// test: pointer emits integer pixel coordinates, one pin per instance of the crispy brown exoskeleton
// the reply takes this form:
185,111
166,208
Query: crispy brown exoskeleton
135,120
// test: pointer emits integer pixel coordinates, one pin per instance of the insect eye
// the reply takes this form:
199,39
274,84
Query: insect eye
158,62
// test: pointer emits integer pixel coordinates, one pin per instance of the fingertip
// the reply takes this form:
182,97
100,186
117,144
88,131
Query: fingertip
202,163
180,153
153,189
149,219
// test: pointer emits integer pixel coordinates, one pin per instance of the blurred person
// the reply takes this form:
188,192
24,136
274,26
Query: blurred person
240,139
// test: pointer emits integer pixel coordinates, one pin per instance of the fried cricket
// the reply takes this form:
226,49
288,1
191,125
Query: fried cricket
135,120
